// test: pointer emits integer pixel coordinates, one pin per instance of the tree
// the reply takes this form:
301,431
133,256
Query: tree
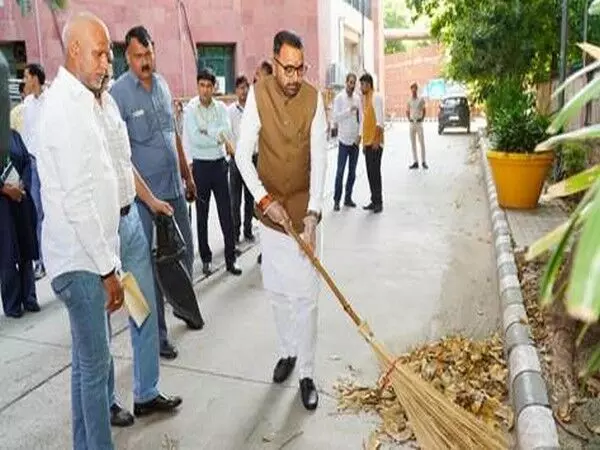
490,40
393,17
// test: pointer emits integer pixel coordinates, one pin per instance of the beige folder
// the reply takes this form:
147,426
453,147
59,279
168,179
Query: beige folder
135,302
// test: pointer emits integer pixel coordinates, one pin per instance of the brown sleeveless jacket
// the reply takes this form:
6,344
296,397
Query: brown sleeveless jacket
284,146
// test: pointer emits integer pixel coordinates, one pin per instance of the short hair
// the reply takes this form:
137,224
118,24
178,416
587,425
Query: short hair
241,80
286,37
141,34
266,66
21,87
367,78
350,75
36,70
206,74
414,85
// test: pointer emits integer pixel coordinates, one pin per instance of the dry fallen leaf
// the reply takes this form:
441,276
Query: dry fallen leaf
471,373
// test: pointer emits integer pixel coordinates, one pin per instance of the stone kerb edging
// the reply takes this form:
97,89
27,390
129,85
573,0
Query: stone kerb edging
534,423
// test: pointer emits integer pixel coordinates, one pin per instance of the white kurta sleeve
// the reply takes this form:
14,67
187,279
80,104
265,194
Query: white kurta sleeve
318,157
248,140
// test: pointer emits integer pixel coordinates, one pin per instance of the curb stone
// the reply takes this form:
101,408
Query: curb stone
534,423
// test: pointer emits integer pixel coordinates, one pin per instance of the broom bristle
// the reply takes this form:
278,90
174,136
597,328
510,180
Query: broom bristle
438,423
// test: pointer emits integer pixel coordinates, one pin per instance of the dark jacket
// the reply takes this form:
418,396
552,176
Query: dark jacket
18,220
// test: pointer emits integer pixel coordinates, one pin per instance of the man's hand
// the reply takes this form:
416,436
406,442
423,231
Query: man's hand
357,141
309,235
191,192
159,207
277,213
15,193
229,148
114,292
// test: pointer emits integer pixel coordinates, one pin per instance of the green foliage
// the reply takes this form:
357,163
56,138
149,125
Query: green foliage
573,158
393,17
514,122
490,39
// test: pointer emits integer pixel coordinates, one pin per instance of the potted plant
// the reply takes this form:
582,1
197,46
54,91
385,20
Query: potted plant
516,127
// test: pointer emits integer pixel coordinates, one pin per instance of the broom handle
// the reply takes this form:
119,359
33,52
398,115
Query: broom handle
317,264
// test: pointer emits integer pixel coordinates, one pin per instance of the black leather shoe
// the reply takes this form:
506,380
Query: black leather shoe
207,268
369,207
308,391
237,252
336,206
424,166
34,307
120,417
350,204
15,315
161,403
168,350
377,209
249,237
283,369
234,269
191,325
259,259
414,166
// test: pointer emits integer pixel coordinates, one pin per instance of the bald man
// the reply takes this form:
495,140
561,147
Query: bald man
81,203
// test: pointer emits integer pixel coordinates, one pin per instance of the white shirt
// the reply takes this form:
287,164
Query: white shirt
348,121
117,138
415,108
80,194
236,111
248,140
31,120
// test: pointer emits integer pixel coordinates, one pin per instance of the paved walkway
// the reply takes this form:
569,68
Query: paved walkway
421,269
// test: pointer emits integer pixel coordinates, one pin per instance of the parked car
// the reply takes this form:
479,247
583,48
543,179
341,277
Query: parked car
454,112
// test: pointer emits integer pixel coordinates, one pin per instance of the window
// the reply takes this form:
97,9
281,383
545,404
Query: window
16,56
221,59
359,5
119,62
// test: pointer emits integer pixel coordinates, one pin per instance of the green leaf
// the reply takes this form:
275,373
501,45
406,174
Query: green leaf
549,278
554,237
589,92
573,77
583,293
577,183
581,134
594,8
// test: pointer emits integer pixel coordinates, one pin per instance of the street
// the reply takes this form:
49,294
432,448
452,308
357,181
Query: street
422,269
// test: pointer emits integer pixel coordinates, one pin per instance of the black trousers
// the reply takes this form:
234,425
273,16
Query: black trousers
373,163
211,176
237,187
18,288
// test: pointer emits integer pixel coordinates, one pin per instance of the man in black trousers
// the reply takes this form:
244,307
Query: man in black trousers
206,138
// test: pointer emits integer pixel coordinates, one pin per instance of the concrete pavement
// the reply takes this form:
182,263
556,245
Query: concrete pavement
421,269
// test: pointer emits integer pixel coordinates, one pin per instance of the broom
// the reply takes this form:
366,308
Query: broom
437,422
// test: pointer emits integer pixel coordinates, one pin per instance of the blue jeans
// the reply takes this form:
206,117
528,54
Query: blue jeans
135,259
183,222
84,296
345,152
37,201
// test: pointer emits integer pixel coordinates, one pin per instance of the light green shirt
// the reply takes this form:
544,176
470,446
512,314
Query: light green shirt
204,129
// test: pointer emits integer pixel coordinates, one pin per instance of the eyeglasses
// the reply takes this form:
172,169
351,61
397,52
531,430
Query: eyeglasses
289,70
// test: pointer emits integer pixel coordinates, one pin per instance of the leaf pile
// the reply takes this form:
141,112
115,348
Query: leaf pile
473,374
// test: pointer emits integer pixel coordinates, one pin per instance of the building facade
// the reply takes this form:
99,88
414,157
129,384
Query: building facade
230,36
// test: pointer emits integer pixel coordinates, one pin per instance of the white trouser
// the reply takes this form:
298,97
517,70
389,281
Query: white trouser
294,287
416,129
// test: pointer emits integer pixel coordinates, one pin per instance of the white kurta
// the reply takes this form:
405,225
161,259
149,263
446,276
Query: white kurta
287,273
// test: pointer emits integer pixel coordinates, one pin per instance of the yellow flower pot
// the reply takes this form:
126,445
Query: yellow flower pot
519,177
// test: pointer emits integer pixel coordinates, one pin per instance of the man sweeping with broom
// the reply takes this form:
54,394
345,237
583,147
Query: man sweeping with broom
286,116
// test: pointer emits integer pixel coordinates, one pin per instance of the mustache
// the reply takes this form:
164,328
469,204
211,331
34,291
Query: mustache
293,85
146,68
